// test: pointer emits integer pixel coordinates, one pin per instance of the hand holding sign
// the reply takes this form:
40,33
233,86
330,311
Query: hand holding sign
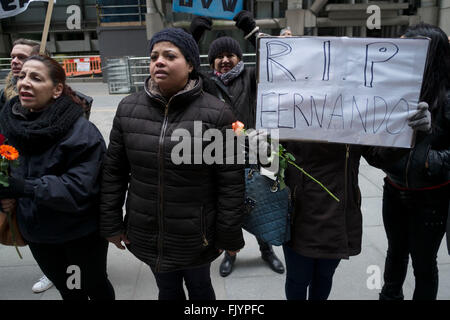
421,119
245,22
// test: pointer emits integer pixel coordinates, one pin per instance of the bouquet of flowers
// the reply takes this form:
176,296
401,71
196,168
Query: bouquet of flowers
9,156
284,157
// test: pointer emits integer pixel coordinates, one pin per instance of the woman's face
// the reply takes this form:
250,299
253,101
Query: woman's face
225,61
36,88
169,68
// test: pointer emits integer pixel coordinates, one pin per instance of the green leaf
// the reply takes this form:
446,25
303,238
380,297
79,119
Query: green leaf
290,156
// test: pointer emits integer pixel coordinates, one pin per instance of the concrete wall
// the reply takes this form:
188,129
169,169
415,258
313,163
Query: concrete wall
117,42
444,16
122,41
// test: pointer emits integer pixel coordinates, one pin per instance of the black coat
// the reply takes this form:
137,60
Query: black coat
321,226
240,94
177,215
410,171
63,180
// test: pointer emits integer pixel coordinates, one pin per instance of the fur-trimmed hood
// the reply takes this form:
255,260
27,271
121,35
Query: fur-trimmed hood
10,90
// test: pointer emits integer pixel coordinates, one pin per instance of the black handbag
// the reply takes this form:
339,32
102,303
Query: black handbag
268,208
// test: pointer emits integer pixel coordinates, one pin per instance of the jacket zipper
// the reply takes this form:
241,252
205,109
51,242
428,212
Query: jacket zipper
203,227
161,186
407,168
347,155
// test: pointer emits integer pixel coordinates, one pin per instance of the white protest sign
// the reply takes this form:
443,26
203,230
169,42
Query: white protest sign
9,8
344,90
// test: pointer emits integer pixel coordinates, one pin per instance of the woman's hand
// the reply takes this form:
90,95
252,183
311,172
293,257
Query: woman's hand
198,26
8,205
421,119
117,240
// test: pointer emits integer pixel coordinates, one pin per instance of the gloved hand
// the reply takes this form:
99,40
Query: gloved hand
198,26
16,189
259,144
421,119
244,21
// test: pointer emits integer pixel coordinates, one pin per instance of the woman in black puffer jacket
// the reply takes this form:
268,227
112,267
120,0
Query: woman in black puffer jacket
179,214
417,187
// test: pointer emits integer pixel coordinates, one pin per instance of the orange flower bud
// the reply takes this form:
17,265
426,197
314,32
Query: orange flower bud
238,127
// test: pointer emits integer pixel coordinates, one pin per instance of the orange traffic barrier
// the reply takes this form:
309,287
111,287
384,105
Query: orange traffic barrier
82,66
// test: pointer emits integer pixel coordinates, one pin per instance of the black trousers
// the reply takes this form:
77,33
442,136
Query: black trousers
306,276
60,263
197,281
415,225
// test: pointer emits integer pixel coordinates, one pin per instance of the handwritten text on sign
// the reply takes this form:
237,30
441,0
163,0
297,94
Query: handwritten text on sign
222,9
345,90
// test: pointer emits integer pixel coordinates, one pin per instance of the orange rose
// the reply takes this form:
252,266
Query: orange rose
238,127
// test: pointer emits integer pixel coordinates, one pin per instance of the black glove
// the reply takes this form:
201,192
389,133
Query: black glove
198,26
16,189
244,21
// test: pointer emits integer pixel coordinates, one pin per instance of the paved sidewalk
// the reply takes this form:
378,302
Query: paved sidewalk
358,278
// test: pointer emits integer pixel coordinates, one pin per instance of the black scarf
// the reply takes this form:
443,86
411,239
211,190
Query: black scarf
33,132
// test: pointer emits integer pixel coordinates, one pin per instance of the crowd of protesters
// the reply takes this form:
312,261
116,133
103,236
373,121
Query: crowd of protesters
69,190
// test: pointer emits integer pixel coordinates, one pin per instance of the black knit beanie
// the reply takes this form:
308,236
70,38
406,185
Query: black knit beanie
183,40
223,44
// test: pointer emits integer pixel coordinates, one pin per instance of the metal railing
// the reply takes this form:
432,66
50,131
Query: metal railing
5,63
116,17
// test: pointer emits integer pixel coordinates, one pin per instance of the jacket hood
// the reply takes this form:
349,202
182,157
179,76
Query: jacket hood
10,87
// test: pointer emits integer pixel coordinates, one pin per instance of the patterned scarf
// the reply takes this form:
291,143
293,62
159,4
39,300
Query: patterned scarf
229,76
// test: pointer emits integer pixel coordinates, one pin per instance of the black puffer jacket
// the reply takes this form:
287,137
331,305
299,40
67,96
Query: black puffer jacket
177,216
240,94
60,159
434,148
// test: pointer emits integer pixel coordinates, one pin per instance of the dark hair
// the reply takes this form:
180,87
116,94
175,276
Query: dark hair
35,45
436,78
58,75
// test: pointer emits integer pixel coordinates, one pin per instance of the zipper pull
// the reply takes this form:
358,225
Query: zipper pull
347,154
205,242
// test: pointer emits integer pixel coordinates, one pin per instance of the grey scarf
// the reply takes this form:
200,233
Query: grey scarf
229,76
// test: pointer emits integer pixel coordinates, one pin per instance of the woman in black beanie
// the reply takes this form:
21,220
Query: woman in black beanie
235,84
179,216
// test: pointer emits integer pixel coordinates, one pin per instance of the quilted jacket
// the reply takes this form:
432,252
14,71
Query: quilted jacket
177,215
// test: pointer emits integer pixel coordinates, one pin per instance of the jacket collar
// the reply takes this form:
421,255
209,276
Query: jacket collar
191,91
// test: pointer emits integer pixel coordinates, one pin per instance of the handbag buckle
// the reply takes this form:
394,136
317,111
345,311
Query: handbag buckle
274,187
